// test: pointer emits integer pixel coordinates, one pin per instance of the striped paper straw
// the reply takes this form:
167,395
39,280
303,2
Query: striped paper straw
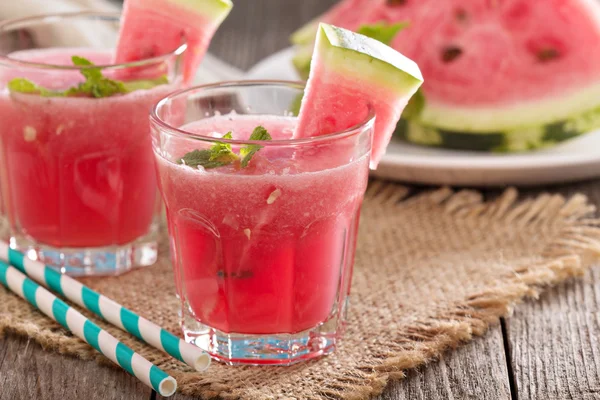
108,309
86,330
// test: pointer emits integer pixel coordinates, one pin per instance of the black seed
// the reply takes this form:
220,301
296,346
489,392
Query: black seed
394,3
547,54
451,53
461,15
236,275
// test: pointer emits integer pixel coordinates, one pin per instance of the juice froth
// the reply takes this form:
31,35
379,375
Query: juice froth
266,249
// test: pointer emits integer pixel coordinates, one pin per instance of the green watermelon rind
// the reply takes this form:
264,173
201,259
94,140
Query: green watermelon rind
510,141
490,120
366,59
216,10
494,119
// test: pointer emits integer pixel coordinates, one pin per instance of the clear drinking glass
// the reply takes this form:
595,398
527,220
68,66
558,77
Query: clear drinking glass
262,254
77,172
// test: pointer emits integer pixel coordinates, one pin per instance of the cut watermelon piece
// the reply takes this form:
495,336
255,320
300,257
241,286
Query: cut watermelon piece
348,72
509,75
510,141
151,28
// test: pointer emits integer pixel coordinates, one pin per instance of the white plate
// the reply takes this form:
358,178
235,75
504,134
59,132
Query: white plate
574,160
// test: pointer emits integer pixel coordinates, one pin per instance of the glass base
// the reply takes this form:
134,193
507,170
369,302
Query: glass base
268,349
96,261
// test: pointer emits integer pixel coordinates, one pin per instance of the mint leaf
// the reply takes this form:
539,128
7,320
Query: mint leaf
222,151
381,31
219,155
95,85
247,152
198,158
145,84
91,74
22,85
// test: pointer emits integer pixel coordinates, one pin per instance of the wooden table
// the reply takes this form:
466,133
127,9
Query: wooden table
548,350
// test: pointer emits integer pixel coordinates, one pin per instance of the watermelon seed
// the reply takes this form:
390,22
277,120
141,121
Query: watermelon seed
395,3
451,53
461,15
547,54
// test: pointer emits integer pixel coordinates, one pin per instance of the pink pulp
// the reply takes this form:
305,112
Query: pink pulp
78,172
267,249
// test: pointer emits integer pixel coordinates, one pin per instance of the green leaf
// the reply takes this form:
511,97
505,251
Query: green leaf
91,74
219,155
381,31
95,85
198,158
22,85
222,151
247,152
145,84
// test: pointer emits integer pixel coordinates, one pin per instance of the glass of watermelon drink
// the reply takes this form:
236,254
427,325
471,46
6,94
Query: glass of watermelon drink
263,227
77,170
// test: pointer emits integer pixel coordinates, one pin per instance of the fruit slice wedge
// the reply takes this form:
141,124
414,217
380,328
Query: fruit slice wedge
348,72
151,28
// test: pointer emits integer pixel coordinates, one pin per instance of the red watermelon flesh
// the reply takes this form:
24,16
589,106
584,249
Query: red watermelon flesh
348,73
496,65
151,28
500,52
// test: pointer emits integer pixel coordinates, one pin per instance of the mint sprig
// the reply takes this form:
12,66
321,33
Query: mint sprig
22,85
218,155
247,152
381,31
95,85
221,154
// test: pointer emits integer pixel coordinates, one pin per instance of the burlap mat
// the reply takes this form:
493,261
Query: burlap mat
432,270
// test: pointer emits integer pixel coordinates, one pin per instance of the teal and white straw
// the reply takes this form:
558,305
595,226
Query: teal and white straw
86,330
108,309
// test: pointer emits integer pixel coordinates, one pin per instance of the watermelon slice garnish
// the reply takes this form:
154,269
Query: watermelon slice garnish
502,75
151,28
348,73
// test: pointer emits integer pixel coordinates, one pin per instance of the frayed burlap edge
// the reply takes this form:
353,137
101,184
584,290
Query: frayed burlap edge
570,255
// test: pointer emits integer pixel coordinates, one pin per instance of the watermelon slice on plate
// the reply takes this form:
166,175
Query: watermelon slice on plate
151,28
348,72
502,75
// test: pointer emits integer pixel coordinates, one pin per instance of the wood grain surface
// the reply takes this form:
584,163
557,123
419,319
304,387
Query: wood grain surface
549,350
29,373
554,343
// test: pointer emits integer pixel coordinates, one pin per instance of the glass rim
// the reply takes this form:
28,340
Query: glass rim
15,23
368,122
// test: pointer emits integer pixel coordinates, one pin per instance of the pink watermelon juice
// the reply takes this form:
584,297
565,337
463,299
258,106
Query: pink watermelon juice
265,249
88,159
78,172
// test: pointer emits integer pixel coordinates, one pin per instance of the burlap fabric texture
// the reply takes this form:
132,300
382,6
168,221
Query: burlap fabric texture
432,271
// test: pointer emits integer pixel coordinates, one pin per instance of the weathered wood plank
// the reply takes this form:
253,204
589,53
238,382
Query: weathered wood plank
555,342
477,370
258,28
28,372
